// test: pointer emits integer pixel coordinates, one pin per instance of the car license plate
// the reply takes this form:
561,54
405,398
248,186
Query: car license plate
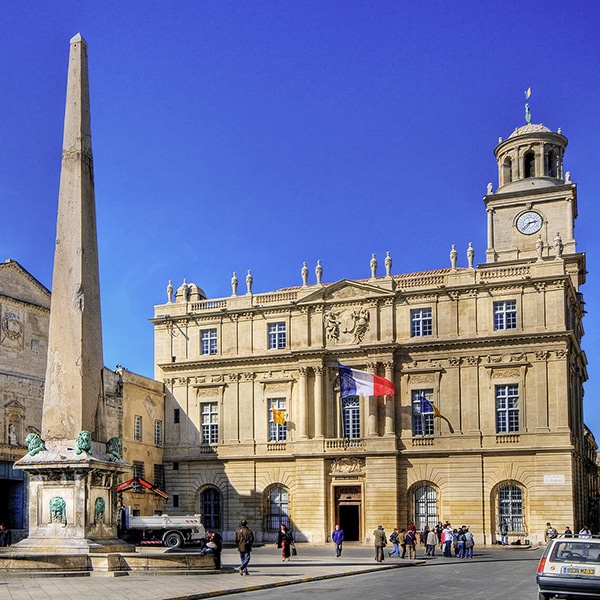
578,571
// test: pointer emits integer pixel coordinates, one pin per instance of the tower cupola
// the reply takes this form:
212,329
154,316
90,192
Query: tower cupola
531,157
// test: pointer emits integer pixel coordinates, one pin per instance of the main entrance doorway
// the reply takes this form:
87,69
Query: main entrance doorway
347,509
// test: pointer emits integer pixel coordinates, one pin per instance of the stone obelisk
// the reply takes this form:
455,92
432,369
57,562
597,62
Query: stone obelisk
73,466
73,374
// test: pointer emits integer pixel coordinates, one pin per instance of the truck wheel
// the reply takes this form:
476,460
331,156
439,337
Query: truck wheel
173,539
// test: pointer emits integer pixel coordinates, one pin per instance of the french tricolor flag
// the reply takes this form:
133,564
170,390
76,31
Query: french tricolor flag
361,383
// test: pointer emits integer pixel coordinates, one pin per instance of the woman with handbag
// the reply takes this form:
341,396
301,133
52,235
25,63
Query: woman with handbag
285,541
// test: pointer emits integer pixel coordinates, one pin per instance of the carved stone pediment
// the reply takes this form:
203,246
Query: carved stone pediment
344,291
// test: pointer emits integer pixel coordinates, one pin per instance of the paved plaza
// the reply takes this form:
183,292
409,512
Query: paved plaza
266,570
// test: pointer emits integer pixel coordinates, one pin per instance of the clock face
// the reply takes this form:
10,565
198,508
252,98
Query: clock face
529,222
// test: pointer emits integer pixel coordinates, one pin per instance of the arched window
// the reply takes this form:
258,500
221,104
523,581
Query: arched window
426,512
210,502
277,513
507,171
510,508
529,161
552,164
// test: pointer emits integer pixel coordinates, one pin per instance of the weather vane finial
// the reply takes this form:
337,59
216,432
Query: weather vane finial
527,112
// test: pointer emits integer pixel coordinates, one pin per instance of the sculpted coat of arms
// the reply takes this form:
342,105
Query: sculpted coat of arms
343,324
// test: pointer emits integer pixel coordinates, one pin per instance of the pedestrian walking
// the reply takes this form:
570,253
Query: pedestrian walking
337,537
401,537
380,541
244,539
411,544
285,541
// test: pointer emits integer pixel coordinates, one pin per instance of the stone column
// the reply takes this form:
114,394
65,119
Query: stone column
302,405
318,402
372,418
390,403
490,228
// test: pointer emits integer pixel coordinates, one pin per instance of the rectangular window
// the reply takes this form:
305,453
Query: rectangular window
351,417
208,341
176,415
277,432
210,422
175,466
422,412
158,433
137,428
421,322
505,315
138,471
277,336
175,500
159,477
507,408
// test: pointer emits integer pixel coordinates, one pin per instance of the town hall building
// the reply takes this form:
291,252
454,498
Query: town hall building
486,423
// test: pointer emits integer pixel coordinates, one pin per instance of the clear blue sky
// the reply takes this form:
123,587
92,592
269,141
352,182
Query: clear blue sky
260,134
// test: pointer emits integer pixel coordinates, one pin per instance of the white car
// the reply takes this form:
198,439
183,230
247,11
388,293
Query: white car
570,568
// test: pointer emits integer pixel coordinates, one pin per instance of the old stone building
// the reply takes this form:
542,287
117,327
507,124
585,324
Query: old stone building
143,437
486,422
24,322
24,317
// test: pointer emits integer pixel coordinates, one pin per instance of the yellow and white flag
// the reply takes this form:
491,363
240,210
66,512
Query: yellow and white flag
527,93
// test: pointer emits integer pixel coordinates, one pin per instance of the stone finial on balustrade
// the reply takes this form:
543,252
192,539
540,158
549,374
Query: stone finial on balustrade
470,255
304,274
234,284
249,282
388,264
319,272
182,292
453,257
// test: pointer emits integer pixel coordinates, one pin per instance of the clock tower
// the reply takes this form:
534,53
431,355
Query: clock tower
531,215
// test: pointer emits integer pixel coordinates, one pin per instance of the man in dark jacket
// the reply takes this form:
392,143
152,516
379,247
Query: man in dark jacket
379,540
244,538
5,536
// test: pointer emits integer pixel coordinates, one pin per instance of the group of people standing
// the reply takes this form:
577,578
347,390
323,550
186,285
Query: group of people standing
454,542
551,532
